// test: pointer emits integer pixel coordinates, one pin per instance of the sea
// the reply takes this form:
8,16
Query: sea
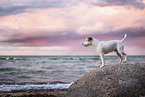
49,72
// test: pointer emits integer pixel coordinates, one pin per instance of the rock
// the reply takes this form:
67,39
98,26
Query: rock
121,80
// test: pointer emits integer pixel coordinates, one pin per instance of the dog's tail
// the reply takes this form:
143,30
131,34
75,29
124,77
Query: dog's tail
125,36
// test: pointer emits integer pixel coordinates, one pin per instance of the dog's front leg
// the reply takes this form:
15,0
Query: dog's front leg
103,61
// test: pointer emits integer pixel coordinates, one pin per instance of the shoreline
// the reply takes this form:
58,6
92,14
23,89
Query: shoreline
35,93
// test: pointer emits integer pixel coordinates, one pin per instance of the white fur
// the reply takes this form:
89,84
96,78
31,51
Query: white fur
104,47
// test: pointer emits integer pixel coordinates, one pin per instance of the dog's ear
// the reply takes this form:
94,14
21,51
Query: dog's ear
89,38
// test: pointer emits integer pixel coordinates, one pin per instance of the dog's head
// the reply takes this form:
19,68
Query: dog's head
88,42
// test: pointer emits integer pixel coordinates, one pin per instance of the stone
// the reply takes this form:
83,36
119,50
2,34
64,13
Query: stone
120,80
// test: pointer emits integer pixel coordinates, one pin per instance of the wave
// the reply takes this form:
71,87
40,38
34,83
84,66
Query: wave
4,58
11,58
50,58
7,69
52,85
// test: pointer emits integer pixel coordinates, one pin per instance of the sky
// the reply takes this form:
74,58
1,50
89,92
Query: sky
58,27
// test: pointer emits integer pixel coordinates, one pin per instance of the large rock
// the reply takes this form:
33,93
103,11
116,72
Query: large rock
121,80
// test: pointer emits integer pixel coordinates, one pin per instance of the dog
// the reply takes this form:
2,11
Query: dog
105,47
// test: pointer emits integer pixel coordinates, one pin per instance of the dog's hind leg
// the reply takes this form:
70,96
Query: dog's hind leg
119,55
124,56
120,49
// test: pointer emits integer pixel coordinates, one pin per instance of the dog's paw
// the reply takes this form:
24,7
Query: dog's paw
124,61
102,66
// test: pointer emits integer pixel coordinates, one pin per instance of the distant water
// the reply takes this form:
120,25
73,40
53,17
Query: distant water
49,72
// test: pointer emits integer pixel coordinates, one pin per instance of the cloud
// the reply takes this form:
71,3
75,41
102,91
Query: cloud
12,10
139,4
47,3
36,23
12,7
38,3
45,23
97,29
53,50
40,39
110,19
53,26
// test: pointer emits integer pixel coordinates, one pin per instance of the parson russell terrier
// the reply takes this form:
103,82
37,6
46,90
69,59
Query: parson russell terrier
104,47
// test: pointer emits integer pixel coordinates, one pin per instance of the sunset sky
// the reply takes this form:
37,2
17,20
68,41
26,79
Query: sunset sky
58,27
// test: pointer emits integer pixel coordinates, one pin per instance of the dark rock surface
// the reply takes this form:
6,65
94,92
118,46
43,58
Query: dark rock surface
121,80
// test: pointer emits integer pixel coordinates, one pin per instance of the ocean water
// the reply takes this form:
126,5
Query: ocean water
49,72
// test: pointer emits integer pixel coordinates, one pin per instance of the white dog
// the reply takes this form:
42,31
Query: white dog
104,47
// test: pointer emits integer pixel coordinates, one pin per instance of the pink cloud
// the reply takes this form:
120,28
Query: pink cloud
81,19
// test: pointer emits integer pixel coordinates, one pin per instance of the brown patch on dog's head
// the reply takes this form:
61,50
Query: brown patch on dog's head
89,38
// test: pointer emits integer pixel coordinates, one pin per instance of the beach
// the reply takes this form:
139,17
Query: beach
35,93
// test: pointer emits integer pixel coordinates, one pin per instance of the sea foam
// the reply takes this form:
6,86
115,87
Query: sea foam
5,87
